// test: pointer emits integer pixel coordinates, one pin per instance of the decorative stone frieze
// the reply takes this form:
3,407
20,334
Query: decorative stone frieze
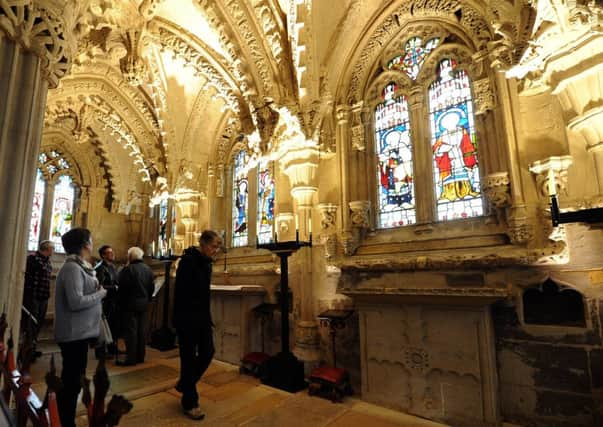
497,189
549,172
360,213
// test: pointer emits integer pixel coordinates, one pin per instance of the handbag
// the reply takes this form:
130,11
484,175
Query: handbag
105,336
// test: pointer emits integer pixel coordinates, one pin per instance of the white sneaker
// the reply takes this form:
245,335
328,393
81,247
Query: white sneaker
194,413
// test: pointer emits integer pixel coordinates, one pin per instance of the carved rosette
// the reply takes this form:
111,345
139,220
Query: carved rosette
360,213
47,30
549,172
483,96
497,188
328,213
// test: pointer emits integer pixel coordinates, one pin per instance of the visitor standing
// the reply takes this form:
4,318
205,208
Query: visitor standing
77,317
106,273
135,292
36,292
192,318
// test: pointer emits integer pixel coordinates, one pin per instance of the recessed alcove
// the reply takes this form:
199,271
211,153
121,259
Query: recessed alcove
552,304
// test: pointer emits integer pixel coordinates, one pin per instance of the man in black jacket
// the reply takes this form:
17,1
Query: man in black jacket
192,318
106,273
136,286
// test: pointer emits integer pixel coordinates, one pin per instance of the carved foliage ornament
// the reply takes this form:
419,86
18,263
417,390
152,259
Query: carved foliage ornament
483,96
43,32
497,189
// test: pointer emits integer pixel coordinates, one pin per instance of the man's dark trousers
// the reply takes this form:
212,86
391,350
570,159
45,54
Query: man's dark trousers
196,352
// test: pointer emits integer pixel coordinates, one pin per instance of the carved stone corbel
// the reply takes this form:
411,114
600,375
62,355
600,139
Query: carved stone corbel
327,228
551,171
497,188
350,241
360,213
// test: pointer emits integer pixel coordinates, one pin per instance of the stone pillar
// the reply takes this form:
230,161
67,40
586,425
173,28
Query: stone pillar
36,43
47,211
188,206
300,164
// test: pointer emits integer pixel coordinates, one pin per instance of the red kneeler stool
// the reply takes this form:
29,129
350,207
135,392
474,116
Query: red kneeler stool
331,382
254,363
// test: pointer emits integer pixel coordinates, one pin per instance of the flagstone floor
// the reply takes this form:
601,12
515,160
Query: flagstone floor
228,398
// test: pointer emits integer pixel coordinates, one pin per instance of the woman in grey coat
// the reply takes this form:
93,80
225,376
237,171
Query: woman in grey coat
77,317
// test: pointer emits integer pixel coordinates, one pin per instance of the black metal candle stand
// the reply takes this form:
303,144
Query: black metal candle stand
284,371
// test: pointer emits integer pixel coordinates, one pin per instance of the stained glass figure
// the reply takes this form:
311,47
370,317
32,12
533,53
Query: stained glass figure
266,191
240,200
454,144
394,152
36,213
163,220
43,158
414,56
62,211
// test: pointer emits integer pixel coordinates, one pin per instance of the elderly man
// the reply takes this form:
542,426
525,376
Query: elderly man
37,291
135,292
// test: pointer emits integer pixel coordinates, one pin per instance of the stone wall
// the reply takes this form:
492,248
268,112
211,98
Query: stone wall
550,376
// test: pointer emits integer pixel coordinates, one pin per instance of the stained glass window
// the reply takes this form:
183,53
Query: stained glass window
240,200
52,162
454,144
414,56
163,220
394,152
266,191
62,211
36,213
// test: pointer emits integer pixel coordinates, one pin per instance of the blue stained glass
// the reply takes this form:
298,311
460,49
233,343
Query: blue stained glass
266,190
414,57
395,162
454,144
240,200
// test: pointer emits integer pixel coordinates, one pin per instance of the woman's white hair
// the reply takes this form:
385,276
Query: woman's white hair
135,253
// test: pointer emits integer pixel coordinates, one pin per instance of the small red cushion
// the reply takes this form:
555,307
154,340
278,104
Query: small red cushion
328,373
256,358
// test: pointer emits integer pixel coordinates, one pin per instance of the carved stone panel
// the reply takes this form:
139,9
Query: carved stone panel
434,362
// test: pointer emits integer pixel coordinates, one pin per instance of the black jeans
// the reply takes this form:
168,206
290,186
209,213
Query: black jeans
133,327
75,359
38,309
196,352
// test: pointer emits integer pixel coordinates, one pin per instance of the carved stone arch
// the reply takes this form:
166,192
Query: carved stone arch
87,86
386,27
103,113
463,56
237,147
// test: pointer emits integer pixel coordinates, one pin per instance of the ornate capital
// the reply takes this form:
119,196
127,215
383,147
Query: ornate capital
304,195
497,189
360,213
549,172
483,97
44,28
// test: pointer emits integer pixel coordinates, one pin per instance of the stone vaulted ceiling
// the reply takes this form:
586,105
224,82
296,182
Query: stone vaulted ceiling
156,84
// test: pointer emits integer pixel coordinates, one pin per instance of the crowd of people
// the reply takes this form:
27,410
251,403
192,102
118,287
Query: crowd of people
95,303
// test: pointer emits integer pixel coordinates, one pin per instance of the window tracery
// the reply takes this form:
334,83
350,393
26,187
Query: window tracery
433,69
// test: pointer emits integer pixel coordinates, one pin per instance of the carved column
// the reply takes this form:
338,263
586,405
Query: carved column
343,149
47,210
187,204
300,164
327,228
34,53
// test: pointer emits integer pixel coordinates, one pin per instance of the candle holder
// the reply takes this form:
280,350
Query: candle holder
285,371
164,338
589,216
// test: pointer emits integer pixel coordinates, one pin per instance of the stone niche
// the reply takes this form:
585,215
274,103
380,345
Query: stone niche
428,352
